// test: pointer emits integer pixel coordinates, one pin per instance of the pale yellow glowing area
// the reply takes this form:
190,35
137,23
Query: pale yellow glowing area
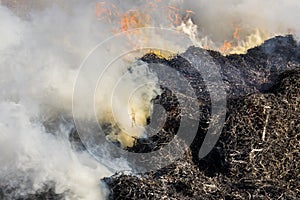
255,39
238,43
138,118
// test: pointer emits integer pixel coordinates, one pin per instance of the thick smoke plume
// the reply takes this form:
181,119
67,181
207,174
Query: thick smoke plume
41,52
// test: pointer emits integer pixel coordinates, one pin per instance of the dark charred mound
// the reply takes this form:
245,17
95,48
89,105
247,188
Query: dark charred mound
257,155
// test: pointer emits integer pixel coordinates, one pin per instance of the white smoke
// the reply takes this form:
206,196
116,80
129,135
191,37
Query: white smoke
31,157
40,58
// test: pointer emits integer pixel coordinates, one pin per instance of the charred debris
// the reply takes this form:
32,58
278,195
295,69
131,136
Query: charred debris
257,155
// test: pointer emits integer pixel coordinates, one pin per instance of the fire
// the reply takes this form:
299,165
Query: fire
129,21
240,46
226,46
133,20
236,33
101,10
174,16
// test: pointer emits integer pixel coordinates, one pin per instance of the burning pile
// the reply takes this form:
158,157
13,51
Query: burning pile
257,153
43,49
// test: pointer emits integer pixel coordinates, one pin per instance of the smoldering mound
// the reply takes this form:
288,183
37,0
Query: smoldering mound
259,141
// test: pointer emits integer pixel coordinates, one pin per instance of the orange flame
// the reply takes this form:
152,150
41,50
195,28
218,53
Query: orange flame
136,19
236,33
226,46
174,16
229,45
129,21
132,20
101,11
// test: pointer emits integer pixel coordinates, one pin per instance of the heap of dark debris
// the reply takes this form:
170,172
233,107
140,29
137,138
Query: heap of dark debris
257,155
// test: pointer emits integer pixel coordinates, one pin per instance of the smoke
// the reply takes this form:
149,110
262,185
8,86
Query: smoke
41,53
31,157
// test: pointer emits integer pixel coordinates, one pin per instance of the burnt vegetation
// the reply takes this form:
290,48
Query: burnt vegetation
257,155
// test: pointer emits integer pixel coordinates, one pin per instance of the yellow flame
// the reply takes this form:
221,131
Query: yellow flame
226,46
162,54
